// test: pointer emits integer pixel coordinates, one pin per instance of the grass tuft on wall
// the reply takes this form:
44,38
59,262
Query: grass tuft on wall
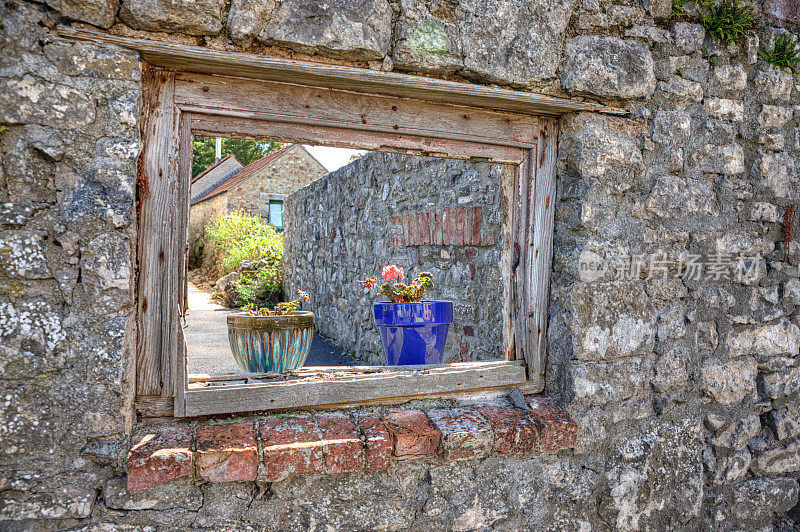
785,55
729,20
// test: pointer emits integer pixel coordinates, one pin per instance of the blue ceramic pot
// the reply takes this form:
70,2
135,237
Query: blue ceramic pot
413,333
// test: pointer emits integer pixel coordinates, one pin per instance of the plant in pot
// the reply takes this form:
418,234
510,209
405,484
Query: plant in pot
267,340
412,331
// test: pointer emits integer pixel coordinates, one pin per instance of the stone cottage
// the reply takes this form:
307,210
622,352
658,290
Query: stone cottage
663,402
260,187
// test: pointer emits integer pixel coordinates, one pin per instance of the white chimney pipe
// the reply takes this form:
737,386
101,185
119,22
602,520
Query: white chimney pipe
218,150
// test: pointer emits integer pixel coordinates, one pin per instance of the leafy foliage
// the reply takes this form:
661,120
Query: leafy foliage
259,288
679,9
281,309
241,236
246,151
398,292
785,54
728,20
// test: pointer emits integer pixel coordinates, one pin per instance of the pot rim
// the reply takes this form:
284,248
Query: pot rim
412,302
292,314
296,320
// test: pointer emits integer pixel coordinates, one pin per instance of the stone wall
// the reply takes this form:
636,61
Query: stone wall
347,226
200,215
685,391
67,236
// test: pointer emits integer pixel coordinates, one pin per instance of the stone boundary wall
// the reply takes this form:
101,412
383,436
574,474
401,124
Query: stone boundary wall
421,213
686,390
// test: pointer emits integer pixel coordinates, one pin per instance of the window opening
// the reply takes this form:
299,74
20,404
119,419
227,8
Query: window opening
483,129
276,214
343,215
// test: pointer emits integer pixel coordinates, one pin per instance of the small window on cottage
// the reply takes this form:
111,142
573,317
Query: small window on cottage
276,214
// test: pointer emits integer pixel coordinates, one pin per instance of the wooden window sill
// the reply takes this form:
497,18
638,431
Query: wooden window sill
316,387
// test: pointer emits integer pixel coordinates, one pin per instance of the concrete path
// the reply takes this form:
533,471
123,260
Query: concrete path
207,339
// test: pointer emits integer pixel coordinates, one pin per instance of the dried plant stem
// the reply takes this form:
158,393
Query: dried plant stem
788,218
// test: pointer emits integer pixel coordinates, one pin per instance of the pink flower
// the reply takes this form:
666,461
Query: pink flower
392,271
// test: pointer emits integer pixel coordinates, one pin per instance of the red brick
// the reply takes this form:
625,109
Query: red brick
407,230
788,10
291,445
411,220
341,444
475,237
158,455
378,452
460,226
397,239
463,351
413,434
437,228
468,213
450,226
227,452
514,431
466,435
557,430
425,227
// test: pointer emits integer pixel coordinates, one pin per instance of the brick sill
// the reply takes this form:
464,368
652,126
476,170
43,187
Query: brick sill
273,448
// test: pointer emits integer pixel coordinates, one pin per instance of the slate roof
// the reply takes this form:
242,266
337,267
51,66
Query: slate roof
234,179
212,167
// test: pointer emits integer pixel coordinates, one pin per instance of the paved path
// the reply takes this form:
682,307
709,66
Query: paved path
207,339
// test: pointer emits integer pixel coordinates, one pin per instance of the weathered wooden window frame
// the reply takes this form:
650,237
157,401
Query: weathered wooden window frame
191,90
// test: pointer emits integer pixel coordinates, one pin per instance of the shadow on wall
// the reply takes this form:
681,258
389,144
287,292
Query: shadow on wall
421,213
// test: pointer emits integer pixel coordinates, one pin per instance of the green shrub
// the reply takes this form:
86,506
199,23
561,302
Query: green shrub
241,236
728,20
260,288
786,53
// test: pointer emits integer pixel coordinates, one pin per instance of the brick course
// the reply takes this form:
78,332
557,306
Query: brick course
466,435
342,445
227,452
290,445
456,226
377,441
158,455
333,443
413,434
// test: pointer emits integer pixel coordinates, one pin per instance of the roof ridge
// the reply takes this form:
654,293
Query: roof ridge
207,170
243,173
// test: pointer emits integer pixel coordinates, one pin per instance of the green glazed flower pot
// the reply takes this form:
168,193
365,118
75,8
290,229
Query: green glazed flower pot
267,344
